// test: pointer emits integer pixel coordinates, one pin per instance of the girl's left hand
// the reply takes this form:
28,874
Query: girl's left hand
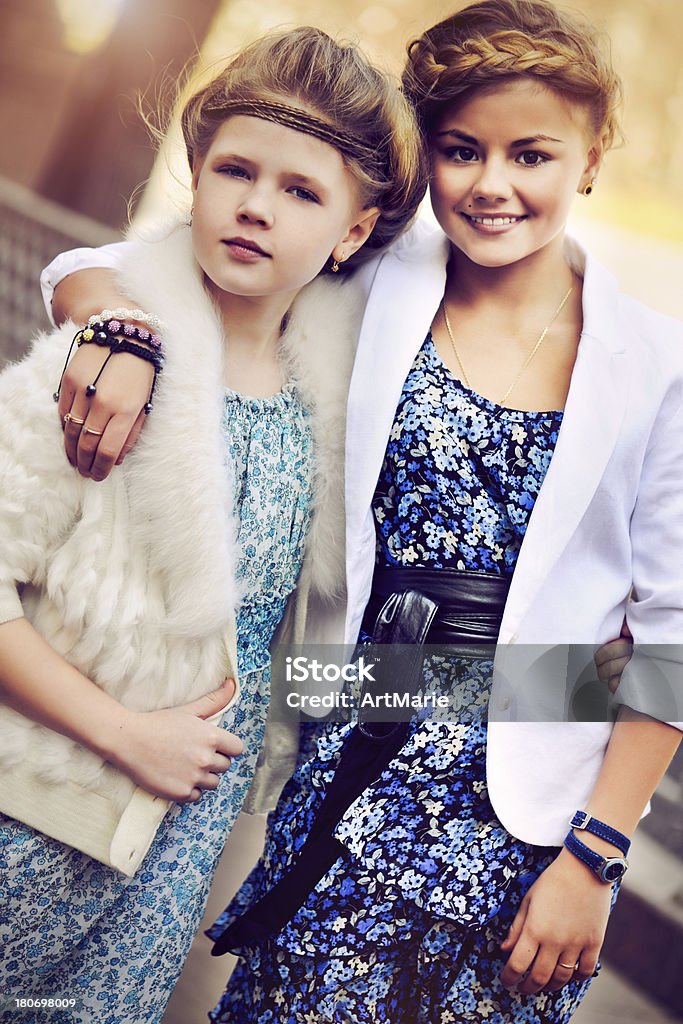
612,658
561,920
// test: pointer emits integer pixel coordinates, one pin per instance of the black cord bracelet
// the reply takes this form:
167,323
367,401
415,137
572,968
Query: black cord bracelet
92,335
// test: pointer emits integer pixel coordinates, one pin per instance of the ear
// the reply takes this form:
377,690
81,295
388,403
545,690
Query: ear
197,165
593,164
357,234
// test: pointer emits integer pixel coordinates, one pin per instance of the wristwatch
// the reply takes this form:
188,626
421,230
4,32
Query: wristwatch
608,869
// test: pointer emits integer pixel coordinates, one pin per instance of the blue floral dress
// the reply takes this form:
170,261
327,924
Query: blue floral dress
71,928
405,926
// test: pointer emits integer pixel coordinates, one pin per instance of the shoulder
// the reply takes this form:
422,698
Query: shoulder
320,341
652,340
424,239
423,243
654,344
157,266
651,328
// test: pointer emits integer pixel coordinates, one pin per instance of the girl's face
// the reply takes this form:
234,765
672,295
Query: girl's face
270,206
506,165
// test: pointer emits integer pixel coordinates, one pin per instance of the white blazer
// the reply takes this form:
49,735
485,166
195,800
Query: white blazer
609,516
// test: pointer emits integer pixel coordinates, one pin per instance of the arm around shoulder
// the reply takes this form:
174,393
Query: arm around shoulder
79,265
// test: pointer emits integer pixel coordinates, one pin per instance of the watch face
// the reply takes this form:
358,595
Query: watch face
613,870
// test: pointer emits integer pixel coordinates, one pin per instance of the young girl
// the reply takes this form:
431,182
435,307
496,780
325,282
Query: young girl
424,879
118,599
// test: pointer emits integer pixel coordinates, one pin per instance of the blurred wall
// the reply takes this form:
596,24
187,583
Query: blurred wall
70,74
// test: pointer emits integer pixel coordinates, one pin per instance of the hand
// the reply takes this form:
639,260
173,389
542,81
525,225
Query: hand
613,657
115,410
561,920
174,753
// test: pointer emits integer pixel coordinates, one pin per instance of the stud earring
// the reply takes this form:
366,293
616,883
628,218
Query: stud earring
588,189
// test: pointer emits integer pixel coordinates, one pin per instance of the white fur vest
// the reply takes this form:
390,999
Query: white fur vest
132,580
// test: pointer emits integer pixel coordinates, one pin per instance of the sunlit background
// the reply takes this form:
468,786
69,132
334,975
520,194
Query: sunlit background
71,72
74,149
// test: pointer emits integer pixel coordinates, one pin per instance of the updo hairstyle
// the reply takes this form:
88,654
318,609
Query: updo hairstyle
496,41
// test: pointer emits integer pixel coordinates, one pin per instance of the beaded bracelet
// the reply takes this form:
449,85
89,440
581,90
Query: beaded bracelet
99,330
150,319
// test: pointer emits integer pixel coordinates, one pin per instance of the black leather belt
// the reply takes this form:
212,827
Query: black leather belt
469,607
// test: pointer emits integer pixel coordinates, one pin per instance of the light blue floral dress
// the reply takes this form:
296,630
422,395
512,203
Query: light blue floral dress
71,928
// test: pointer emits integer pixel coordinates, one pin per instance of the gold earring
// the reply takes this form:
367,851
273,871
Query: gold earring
335,265
588,189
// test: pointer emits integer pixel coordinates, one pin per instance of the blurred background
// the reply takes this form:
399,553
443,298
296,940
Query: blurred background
74,149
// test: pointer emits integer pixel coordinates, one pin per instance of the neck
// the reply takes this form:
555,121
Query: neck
252,324
511,288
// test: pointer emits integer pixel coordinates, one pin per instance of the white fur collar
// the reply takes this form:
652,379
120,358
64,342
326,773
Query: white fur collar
177,473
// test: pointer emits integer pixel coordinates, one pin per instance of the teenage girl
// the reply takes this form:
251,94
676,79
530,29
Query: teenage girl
520,468
523,454
122,601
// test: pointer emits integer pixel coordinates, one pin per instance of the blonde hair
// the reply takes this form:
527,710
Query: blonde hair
493,41
335,82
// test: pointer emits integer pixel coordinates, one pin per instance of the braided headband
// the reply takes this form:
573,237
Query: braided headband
301,121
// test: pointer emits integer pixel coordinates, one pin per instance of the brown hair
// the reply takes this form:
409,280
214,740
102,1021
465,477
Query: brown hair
336,83
493,41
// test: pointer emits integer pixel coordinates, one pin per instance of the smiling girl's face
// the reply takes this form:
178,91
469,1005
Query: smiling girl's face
271,205
506,165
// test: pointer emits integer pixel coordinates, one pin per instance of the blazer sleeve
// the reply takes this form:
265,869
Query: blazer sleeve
652,682
106,257
39,490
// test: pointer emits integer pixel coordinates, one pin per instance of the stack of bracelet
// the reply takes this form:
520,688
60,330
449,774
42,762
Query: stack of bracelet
112,329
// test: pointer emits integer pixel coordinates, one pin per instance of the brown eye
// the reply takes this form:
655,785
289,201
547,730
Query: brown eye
462,154
532,158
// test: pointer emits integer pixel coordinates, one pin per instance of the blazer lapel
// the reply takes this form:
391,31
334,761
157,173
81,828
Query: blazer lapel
405,296
593,416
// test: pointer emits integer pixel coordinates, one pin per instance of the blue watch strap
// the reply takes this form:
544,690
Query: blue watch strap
582,820
608,869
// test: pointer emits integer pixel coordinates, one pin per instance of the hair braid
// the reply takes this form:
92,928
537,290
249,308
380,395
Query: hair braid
500,39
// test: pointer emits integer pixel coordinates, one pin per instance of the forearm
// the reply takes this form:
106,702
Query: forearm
81,295
639,752
171,752
38,683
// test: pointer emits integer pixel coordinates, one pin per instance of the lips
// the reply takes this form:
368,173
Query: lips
245,245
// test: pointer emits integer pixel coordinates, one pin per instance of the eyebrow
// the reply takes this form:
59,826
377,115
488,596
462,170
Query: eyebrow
301,179
470,139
